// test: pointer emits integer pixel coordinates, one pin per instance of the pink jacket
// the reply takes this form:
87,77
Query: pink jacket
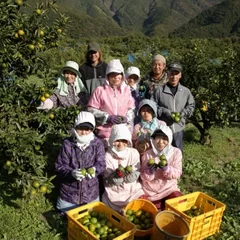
118,197
160,184
107,101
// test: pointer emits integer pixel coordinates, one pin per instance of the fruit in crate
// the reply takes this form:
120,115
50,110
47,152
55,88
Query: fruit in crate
142,219
120,171
100,226
194,211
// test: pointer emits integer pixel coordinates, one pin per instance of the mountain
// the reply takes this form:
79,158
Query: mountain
163,18
222,20
119,17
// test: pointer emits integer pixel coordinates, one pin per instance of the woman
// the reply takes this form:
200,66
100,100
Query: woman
161,168
94,69
80,161
70,90
121,187
112,103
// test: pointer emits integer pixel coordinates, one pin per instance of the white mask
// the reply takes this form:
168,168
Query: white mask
83,138
120,154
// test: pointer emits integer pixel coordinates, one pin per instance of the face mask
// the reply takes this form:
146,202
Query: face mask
84,138
120,154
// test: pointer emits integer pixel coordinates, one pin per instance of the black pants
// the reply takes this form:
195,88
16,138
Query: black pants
178,140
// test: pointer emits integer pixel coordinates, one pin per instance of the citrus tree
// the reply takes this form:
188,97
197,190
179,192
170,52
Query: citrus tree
28,138
214,84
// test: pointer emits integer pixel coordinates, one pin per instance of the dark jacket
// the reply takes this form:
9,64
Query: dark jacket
70,158
93,76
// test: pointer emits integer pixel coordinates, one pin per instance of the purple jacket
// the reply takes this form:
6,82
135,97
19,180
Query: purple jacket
72,157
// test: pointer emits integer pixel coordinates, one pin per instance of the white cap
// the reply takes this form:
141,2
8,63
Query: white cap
120,131
133,70
85,117
115,66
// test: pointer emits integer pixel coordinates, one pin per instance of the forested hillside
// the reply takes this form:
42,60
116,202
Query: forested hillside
98,18
222,20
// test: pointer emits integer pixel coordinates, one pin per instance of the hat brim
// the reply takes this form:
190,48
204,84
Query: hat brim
85,124
71,70
158,133
175,70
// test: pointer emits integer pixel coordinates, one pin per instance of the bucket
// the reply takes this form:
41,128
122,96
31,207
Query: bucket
145,205
170,226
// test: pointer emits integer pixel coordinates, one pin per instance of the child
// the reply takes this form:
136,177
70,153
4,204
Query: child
121,187
142,131
112,103
159,180
82,151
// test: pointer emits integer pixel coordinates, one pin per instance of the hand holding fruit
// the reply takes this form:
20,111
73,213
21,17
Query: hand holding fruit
116,119
120,171
91,172
79,174
163,162
152,165
176,116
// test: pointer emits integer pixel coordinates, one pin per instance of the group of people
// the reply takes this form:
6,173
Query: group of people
126,121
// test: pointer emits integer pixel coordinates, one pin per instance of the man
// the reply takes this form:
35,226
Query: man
93,71
175,103
155,78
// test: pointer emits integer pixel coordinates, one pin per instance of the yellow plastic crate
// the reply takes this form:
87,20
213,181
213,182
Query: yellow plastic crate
76,231
207,223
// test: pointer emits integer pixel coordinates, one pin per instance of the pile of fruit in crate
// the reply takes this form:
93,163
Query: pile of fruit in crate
100,226
142,219
194,211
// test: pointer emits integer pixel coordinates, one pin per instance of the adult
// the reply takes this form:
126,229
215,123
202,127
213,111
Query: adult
94,69
120,188
80,161
160,178
173,97
156,77
70,90
112,103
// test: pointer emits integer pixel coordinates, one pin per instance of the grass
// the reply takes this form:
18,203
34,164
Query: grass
214,170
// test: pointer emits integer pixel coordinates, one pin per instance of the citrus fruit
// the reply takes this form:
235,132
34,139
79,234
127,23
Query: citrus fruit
129,212
90,171
43,99
36,184
94,213
91,227
51,116
93,220
43,189
46,95
8,163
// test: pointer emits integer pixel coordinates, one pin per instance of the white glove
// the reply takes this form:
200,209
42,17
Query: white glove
47,104
76,173
91,175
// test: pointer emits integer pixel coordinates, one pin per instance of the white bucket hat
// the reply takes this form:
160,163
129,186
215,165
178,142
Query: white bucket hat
85,119
115,66
131,71
120,131
71,66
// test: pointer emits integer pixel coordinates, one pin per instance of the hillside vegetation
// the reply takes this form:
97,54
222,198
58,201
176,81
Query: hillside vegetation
222,20
95,18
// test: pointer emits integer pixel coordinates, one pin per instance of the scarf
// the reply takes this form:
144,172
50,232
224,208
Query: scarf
63,86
